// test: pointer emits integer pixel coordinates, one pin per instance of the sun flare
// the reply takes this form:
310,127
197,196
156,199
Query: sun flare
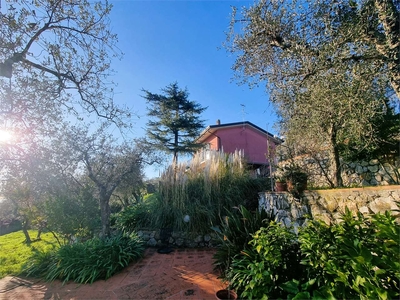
5,136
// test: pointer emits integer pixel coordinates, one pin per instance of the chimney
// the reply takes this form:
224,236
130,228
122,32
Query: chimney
218,122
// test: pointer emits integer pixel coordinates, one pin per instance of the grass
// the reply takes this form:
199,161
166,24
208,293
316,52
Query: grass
14,252
203,189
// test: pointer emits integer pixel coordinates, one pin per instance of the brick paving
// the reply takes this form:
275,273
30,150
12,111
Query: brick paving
181,274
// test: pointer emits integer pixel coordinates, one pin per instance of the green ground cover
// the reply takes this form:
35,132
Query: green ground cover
14,252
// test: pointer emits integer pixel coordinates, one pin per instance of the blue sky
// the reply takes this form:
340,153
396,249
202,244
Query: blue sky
168,41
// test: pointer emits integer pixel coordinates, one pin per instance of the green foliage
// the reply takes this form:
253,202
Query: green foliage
357,258
331,70
295,177
89,261
387,127
14,252
76,214
174,121
235,232
273,259
132,217
39,264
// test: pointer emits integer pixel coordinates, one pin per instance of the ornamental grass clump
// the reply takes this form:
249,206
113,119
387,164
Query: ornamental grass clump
235,232
89,261
203,190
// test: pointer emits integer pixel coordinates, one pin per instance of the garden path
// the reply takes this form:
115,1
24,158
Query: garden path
182,274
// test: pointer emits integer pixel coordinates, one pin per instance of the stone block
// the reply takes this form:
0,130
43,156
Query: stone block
382,204
373,182
207,238
287,222
364,210
179,242
373,169
151,242
198,239
387,178
395,194
374,162
382,171
359,170
324,217
364,183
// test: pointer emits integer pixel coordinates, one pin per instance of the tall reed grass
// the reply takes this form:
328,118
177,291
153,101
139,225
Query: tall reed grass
202,189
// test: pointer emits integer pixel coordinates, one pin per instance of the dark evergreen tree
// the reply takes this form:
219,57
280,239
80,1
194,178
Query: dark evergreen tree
174,121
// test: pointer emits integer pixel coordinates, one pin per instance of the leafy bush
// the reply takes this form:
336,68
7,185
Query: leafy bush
89,261
132,217
235,232
73,214
38,265
358,258
273,259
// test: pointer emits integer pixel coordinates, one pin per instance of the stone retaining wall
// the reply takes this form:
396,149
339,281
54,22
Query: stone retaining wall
178,239
355,174
327,205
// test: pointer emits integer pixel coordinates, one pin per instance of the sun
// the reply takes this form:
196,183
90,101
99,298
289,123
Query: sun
5,136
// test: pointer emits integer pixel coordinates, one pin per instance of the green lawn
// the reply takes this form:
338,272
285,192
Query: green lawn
14,252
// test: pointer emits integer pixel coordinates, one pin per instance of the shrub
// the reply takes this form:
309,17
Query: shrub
273,259
89,261
358,258
38,265
73,214
235,232
132,217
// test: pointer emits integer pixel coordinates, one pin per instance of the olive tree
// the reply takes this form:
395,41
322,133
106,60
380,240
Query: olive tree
107,162
327,74
62,48
287,42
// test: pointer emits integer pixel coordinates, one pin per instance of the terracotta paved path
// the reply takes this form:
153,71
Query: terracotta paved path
182,274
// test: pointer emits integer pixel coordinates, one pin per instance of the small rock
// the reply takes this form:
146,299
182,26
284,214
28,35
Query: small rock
198,239
207,238
373,162
152,242
373,169
359,170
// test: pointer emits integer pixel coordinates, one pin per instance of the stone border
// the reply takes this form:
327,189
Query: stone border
328,205
178,239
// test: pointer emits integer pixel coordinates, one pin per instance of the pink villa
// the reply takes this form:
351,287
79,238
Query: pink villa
258,144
